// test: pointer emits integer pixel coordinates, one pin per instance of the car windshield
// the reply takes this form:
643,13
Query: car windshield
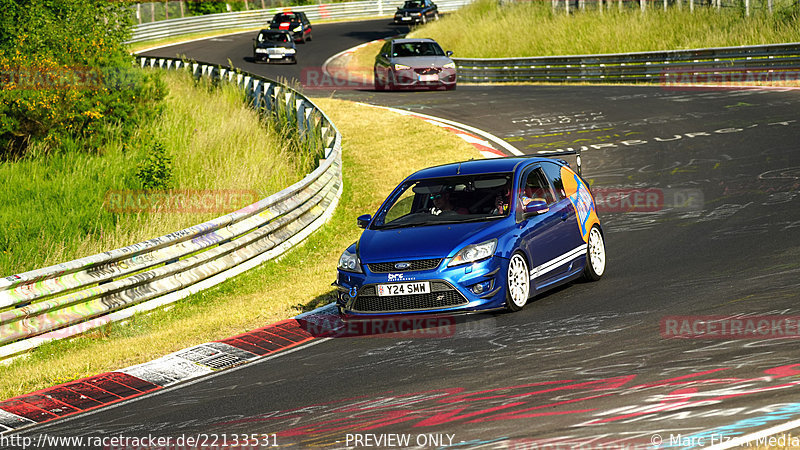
413,5
432,201
273,37
285,18
417,49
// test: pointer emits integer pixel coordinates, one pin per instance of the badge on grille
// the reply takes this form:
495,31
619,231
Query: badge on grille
402,265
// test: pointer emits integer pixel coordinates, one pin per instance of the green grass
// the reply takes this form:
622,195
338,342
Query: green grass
374,161
53,205
532,29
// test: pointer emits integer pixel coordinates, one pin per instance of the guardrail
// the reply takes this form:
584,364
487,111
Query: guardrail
73,297
261,18
778,61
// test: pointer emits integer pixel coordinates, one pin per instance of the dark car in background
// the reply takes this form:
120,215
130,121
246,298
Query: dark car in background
294,22
414,64
416,11
274,45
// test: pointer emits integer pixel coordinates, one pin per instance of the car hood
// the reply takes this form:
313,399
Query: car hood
434,241
422,61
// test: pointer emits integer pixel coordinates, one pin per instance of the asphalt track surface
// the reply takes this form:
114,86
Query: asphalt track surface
586,364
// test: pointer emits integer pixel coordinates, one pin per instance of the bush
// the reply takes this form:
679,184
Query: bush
155,171
64,74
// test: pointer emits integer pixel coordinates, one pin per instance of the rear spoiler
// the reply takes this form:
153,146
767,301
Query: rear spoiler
577,154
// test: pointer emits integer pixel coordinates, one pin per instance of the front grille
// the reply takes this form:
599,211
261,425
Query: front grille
442,295
427,71
420,264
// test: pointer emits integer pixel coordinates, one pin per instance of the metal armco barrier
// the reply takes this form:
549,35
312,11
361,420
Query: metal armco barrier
778,62
261,18
73,297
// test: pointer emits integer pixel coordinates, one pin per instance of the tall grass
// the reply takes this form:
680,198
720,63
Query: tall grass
53,205
485,29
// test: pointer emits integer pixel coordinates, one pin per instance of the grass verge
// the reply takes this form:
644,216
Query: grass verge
534,30
55,208
374,162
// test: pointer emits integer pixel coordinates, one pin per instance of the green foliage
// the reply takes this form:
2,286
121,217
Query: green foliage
155,171
206,7
66,75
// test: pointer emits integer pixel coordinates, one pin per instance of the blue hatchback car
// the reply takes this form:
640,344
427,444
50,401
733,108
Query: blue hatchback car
473,236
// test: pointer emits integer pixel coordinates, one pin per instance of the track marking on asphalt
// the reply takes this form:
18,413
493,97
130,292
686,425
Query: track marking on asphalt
173,387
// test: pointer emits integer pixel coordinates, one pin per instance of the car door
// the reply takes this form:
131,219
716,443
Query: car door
382,63
567,237
542,234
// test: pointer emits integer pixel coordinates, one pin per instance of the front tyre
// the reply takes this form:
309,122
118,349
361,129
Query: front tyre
518,282
595,255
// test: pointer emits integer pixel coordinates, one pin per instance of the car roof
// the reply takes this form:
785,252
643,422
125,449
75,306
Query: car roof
477,166
405,40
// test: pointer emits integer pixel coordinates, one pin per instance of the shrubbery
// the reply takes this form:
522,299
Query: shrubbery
65,76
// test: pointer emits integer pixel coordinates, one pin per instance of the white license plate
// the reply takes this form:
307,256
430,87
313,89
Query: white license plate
275,56
434,77
406,18
420,287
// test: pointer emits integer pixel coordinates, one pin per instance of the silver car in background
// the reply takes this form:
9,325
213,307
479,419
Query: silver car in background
414,64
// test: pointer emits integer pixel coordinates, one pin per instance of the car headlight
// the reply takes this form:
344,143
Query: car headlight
349,262
416,14
450,65
401,67
474,252
289,50
261,50
298,29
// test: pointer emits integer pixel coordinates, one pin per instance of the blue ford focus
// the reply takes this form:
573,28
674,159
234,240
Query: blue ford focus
473,236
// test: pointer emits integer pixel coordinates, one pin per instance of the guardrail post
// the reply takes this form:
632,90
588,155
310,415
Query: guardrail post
300,111
257,93
268,93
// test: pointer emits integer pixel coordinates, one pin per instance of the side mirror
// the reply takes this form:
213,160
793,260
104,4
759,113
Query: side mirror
536,206
448,53
364,220
385,55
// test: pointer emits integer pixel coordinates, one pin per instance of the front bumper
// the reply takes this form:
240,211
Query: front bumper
266,57
412,79
452,290
407,19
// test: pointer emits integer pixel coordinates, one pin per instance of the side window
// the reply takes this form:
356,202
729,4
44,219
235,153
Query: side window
553,172
387,47
534,185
